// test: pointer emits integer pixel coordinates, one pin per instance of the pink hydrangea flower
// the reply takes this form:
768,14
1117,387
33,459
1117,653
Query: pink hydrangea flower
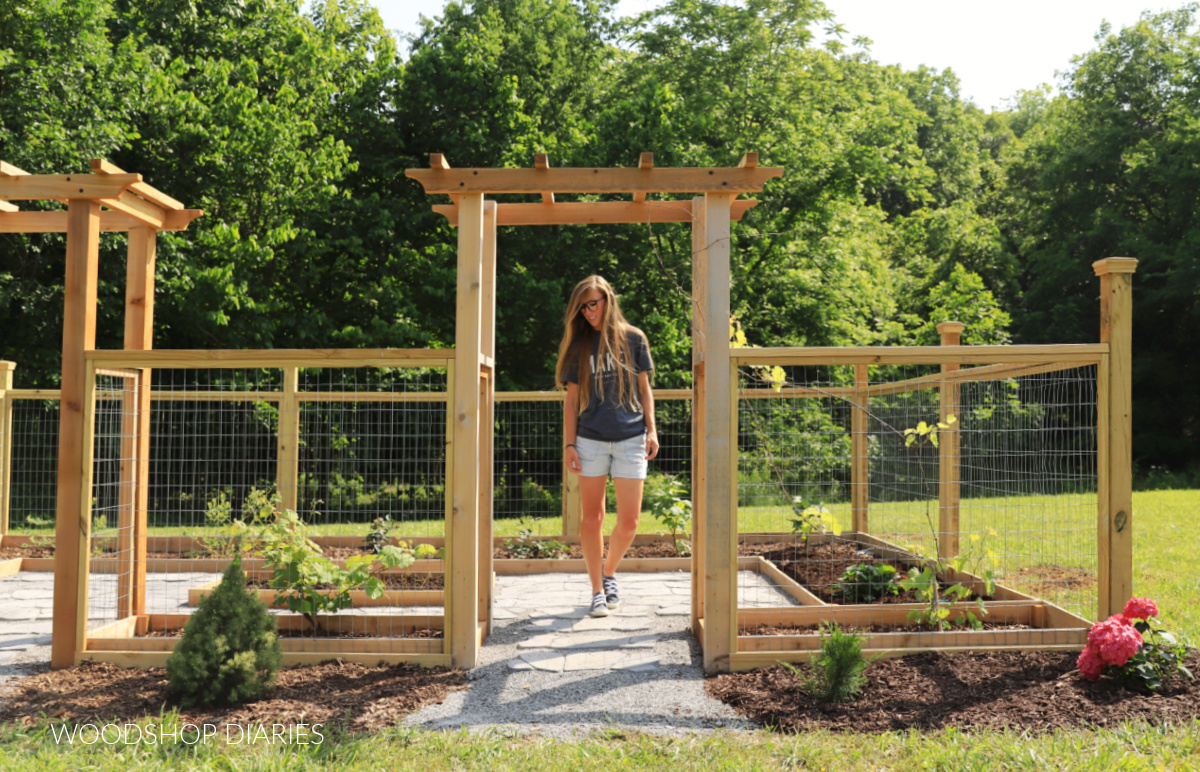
1090,664
1115,640
1140,608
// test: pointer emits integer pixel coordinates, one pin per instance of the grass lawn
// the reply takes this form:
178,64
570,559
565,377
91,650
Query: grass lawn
1132,747
1165,525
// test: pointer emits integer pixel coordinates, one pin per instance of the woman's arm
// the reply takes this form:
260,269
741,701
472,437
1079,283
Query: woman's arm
646,395
570,424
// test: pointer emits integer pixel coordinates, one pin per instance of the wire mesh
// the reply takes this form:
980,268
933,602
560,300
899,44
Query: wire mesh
34,462
112,491
321,488
981,480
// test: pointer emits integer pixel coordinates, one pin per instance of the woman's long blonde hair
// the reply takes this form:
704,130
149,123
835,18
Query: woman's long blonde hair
576,346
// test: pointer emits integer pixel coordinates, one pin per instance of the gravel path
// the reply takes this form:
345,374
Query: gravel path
549,670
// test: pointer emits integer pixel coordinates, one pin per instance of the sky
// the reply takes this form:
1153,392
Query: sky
995,49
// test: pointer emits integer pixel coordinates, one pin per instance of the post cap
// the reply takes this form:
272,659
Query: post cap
1115,265
950,327
6,365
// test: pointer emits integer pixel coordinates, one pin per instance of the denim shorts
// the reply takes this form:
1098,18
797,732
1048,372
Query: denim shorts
626,458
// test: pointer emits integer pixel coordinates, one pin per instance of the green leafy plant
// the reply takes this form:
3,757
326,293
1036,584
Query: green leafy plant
42,542
379,535
665,498
526,546
808,519
427,552
309,583
230,651
940,599
867,582
838,669
241,534
101,545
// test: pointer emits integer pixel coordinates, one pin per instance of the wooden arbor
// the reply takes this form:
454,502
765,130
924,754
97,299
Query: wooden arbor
106,200
469,537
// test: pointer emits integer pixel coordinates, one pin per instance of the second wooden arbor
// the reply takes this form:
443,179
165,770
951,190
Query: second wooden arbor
710,213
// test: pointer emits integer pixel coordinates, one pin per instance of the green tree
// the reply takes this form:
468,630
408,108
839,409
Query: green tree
1108,169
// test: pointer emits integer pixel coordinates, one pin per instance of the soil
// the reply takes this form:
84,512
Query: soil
177,632
1035,691
419,581
334,693
1044,580
9,553
906,628
661,550
820,567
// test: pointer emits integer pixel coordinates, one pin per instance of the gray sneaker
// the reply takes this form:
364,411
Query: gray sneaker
611,596
599,605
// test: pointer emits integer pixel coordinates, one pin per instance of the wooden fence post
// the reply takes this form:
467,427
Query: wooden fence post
462,530
1115,429
487,415
6,432
72,524
860,471
949,449
699,504
287,441
720,439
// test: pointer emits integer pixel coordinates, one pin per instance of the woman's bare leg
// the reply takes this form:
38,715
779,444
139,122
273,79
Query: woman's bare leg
591,526
629,509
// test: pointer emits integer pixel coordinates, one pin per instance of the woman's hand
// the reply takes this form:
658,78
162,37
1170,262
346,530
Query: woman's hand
572,458
651,445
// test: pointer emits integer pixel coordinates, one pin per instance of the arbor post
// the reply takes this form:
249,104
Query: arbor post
72,528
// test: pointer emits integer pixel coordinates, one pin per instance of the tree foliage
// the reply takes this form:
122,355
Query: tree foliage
902,204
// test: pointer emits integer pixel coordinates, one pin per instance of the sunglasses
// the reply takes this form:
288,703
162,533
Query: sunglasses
591,304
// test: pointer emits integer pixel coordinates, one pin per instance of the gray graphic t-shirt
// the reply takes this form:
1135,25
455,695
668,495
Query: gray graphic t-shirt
607,420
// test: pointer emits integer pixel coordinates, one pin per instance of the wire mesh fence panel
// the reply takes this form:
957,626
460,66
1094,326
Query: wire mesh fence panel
212,443
33,456
529,472
112,499
372,447
318,477
528,476
928,500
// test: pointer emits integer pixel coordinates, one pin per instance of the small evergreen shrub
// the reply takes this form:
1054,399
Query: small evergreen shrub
230,651
837,671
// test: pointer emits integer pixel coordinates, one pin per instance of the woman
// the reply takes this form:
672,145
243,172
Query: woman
608,425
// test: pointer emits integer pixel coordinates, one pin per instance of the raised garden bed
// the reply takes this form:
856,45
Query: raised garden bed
145,640
819,565
404,588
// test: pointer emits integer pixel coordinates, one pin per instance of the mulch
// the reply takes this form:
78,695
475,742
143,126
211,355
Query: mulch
335,693
1035,691
574,551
